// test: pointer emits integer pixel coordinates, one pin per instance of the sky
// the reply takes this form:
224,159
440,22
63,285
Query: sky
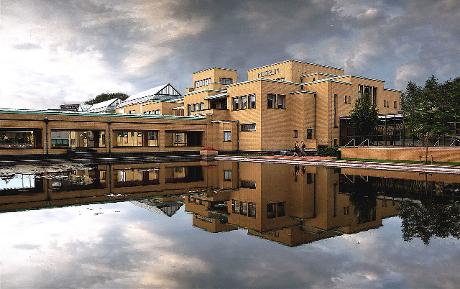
54,52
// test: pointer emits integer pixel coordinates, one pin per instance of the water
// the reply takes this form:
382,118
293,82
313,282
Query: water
226,225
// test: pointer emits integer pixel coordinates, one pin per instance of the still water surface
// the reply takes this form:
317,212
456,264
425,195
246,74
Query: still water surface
226,225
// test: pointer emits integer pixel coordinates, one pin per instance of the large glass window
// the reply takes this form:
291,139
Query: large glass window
152,138
136,138
77,138
20,138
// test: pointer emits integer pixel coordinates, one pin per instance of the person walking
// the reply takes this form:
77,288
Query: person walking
296,149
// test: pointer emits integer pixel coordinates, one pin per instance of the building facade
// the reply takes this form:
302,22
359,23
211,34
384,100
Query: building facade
285,102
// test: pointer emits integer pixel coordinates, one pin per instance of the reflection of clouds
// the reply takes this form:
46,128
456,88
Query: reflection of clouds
71,247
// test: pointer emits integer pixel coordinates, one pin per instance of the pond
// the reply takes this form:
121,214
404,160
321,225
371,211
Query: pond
226,225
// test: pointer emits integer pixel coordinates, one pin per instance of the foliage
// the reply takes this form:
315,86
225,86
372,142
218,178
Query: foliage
329,151
428,110
429,219
364,116
107,96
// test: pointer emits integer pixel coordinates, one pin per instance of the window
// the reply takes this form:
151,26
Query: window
201,105
252,101
276,101
271,211
244,102
346,210
179,139
374,95
271,98
275,210
227,136
152,138
281,101
235,103
296,133
244,208
309,133
227,175
24,139
335,109
197,107
192,106
395,104
202,82
225,81
248,127
189,109
251,210
247,184
309,178
347,99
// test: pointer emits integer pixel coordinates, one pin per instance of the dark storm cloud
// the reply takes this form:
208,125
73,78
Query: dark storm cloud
143,43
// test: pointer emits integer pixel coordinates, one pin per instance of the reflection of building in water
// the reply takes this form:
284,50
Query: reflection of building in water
101,183
295,205
291,205
166,205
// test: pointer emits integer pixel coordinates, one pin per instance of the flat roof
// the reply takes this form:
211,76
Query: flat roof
298,61
95,114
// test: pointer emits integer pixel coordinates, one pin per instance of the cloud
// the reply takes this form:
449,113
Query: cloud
66,51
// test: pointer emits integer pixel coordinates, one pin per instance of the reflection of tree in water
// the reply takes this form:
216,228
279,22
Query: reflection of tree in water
430,218
364,199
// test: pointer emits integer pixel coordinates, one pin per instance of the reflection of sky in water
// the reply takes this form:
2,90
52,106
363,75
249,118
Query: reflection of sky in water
17,182
121,245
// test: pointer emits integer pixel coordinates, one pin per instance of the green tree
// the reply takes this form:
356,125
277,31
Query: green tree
430,218
428,110
364,116
107,96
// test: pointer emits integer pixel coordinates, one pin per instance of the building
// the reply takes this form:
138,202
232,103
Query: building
284,102
160,100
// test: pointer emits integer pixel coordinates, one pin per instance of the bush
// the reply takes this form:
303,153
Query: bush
329,151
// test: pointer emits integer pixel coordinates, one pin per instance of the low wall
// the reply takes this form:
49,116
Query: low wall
436,154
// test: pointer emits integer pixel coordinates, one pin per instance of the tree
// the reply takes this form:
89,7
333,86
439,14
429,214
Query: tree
430,218
364,116
428,110
107,96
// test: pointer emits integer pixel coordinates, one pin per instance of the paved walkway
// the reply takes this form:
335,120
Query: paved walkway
331,162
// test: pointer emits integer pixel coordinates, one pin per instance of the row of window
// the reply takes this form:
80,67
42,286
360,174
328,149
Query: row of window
309,133
203,82
368,91
244,102
137,138
244,208
275,210
154,112
276,101
386,103
195,107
